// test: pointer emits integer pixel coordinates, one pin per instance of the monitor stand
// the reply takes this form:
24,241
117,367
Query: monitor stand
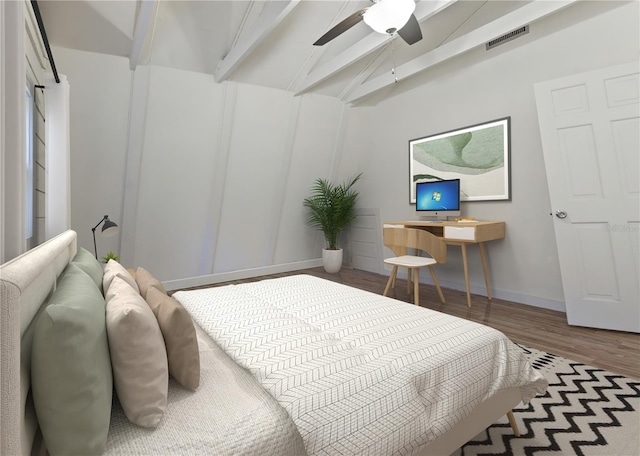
427,218
433,218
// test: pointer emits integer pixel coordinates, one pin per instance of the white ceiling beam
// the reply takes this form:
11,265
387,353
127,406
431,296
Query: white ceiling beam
381,56
274,13
142,31
365,46
316,52
518,18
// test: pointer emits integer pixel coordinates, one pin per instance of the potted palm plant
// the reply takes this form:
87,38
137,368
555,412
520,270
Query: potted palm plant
331,210
110,256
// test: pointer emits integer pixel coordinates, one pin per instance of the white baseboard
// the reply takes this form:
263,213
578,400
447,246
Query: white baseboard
520,298
239,275
535,301
288,267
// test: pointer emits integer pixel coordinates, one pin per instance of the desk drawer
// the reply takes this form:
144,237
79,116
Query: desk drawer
465,233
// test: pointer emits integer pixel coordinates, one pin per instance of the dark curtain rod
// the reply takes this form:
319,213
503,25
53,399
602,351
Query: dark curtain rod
43,33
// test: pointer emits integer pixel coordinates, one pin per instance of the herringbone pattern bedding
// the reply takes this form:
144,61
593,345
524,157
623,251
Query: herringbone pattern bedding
357,372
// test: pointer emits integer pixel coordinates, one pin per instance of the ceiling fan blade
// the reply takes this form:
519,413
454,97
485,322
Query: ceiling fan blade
341,27
411,31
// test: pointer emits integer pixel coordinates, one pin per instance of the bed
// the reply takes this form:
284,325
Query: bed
335,371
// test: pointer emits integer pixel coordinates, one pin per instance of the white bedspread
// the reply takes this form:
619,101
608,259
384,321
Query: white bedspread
359,373
229,414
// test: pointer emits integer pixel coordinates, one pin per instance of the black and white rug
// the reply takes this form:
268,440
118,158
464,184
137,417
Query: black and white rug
585,411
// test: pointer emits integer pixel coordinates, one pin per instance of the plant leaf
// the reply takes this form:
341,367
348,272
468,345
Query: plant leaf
331,208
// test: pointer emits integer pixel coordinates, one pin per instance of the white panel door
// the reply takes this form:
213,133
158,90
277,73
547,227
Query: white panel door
590,129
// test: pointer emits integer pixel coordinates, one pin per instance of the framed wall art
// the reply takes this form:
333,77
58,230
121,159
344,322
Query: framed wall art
478,155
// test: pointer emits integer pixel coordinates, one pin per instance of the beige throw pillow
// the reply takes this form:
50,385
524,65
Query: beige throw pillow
114,269
145,280
138,355
179,337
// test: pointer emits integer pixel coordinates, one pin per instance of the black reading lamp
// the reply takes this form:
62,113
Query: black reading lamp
108,229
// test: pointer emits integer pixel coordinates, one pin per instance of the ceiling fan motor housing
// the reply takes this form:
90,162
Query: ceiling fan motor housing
384,16
389,16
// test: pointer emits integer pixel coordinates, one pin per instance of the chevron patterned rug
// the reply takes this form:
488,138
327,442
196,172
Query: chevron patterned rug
586,411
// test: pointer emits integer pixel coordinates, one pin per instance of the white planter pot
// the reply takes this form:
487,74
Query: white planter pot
332,260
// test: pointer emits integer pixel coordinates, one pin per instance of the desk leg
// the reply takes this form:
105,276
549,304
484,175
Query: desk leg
485,269
466,272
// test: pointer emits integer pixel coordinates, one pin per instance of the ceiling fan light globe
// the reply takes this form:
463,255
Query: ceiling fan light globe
389,15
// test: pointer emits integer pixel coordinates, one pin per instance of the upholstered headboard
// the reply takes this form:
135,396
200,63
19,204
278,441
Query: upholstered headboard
25,284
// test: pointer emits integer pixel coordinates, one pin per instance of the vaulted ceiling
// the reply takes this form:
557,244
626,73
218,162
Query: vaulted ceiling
270,42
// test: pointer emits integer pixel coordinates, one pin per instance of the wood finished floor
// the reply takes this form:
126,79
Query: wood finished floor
543,329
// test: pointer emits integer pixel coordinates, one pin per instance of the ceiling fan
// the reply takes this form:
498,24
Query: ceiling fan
384,16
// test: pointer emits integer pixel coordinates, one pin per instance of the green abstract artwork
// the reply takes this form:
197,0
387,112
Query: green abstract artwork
477,155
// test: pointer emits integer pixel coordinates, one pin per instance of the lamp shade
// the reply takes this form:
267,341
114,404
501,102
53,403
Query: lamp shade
109,228
389,16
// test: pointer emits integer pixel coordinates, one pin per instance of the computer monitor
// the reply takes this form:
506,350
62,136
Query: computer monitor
438,199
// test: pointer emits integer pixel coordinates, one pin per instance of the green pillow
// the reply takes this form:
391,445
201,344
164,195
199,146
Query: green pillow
88,263
71,376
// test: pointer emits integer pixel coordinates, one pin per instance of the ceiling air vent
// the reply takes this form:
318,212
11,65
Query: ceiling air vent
507,37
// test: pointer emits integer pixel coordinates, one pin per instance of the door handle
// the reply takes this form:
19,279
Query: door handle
561,214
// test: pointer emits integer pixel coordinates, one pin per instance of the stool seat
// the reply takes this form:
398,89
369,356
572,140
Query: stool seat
410,261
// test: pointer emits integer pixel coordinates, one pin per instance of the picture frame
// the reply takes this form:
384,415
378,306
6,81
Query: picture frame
479,155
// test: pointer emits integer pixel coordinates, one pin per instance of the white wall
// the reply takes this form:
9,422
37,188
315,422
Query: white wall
100,87
207,180
204,179
481,86
223,171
